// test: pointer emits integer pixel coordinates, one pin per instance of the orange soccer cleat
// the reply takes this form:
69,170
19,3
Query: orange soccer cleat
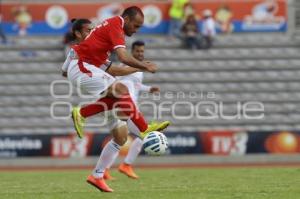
99,183
127,170
107,175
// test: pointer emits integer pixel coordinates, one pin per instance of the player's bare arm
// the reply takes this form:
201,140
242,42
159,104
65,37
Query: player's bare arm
129,60
115,70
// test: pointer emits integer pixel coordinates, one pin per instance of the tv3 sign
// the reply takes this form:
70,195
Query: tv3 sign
225,143
70,146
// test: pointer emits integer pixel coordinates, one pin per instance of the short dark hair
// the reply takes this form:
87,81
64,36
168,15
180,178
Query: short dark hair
77,24
137,43
132,11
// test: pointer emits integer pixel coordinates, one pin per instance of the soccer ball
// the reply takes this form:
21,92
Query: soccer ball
155,143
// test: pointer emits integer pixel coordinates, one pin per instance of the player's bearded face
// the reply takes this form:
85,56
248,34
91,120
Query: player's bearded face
138,52
132,25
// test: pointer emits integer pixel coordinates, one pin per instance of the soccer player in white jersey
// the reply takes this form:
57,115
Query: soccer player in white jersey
134,83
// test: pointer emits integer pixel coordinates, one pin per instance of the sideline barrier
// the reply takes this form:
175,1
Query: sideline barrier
224,143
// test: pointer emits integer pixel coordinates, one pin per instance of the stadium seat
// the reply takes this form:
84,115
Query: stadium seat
240,68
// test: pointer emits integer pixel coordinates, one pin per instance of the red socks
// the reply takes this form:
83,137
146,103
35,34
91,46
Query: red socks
125,104
128,107
101,105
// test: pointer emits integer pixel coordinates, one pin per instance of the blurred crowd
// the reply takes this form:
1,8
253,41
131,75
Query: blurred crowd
184,25
195,30
22,18
2,34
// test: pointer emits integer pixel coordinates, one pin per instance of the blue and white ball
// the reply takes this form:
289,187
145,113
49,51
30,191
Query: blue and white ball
155,143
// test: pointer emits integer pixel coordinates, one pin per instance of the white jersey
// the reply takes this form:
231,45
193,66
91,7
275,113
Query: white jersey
134,77
134,83
72,55
94,82
68,60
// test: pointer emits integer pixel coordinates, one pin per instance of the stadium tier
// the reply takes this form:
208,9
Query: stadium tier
240,68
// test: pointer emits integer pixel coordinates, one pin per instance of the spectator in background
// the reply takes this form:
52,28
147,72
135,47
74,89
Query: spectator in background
22,18
190,33
176,14
224,19
208,29
2,34
189,10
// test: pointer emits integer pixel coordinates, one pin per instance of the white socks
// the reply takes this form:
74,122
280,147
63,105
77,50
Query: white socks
136,145
111,151
108,155
133,128
134,150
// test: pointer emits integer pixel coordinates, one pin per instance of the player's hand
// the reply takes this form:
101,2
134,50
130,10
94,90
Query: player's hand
151,67
154,89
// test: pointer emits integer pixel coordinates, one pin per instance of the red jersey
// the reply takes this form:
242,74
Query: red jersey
102,40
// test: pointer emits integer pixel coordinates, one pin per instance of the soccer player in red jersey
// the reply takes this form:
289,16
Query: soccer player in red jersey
85,70
92,54
80,29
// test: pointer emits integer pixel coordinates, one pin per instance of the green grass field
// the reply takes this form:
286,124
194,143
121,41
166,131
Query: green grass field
185,183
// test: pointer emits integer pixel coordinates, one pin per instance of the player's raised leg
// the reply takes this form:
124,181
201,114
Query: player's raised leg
118,97
94,83
78,121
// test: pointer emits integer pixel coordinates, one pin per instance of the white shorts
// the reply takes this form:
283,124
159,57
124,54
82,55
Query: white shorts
133,91
94,82
113,120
